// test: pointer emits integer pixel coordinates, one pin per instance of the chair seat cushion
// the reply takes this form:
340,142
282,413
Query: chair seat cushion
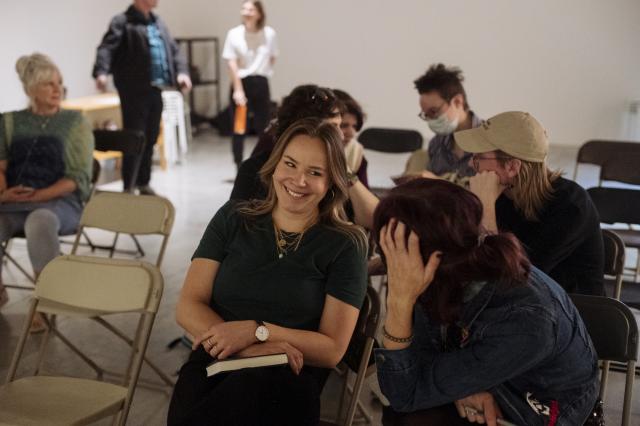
58,400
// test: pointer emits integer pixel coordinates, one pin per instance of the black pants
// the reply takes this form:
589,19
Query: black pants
256,89
141,110
252,397
436,416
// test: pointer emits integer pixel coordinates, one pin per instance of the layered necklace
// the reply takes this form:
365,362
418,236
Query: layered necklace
287,242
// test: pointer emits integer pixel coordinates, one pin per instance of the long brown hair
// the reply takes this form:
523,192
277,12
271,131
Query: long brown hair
260,8
447,218
331,208
531,187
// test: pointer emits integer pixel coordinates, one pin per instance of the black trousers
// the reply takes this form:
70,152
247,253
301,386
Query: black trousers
436,416
252,397
256,89
141,110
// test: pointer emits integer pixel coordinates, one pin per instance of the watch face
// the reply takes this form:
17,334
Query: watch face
262,333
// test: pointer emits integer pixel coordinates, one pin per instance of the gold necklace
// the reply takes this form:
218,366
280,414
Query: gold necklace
287,241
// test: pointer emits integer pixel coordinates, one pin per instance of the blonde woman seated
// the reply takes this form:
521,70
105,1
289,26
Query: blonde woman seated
45,166
284,274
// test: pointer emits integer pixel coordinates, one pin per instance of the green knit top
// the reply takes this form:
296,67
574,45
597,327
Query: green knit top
68,126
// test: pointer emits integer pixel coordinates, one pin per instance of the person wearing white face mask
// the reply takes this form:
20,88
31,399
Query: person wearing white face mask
444,106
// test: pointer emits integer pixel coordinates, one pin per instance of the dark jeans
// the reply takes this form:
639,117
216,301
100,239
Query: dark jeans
141,110
256,89
255,396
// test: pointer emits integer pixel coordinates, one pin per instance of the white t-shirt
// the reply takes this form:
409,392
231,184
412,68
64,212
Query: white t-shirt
252,51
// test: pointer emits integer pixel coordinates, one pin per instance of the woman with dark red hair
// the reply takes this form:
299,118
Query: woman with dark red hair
473,332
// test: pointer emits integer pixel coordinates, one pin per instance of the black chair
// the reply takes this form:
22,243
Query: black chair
128,142
619,205
393,141
359,357
600,151
614,256
614,333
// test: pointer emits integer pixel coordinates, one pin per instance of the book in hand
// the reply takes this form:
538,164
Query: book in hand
232,364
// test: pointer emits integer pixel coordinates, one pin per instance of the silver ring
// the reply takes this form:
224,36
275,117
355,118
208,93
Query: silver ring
470,411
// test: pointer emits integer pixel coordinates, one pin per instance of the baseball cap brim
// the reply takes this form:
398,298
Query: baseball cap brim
474,140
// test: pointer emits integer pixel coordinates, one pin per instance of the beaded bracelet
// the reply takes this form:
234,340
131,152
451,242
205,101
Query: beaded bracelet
394,338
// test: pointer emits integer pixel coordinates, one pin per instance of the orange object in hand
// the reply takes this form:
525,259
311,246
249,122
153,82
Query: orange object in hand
240,120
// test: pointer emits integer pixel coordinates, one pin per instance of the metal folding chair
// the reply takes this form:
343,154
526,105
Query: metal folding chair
83,287
614,333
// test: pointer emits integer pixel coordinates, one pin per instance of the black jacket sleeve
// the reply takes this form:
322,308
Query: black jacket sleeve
110,43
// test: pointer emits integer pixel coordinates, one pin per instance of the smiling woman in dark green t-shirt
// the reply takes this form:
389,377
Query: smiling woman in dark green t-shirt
286,274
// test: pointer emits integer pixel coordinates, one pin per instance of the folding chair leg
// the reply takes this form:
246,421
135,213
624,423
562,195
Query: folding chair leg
99,371
628,393
163,376
138,246
604,378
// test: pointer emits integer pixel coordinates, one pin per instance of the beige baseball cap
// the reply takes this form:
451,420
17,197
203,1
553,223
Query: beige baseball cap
516,133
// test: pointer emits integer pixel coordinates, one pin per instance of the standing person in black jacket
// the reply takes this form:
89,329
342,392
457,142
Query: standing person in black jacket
143,58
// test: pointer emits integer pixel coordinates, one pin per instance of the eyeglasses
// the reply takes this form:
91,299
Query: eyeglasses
432,113
476,158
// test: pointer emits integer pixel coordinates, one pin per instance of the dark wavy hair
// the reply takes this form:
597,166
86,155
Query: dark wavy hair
351,106
447,217
305,101
446,81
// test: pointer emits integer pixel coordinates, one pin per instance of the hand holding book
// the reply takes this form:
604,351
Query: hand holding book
294,356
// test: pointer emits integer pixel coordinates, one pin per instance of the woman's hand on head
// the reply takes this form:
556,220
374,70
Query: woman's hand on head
408,276
295,357
226,338
479,408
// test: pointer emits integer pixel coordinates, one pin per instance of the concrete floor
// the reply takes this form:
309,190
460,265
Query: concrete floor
198,187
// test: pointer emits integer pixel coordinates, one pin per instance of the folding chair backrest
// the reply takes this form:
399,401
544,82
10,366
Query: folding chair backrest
614,256
616,205
129,214
614,333
390,140
101,284
622,168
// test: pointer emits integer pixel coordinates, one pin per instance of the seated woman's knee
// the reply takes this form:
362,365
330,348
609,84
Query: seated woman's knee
41,222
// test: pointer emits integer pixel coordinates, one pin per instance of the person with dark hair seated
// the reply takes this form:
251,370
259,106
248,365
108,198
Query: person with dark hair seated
283,274
305,101
473,332
352,122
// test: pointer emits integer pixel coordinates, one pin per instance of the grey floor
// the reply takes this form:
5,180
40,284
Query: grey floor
198,187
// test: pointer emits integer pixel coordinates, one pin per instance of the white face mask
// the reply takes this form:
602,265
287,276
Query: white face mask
442,125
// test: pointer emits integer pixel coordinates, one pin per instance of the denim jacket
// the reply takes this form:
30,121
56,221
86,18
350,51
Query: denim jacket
525,345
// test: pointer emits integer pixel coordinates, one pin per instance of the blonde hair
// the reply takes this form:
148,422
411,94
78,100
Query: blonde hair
35,68
532,188
331,207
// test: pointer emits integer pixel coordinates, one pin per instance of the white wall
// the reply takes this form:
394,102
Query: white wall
573,64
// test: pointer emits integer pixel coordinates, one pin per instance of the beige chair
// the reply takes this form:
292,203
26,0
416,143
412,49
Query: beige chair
124,213
83,287
130,214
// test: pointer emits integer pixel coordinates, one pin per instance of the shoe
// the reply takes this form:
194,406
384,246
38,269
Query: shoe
4,296
38,324
146,190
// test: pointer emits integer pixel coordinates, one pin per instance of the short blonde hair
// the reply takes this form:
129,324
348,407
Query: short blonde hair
35,68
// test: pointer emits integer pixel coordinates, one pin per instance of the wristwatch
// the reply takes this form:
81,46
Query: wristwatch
262,332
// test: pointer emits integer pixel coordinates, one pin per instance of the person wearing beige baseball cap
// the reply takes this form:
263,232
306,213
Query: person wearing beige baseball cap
553,217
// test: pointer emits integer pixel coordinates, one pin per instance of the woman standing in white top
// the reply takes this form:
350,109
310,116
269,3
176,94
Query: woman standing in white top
250,50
